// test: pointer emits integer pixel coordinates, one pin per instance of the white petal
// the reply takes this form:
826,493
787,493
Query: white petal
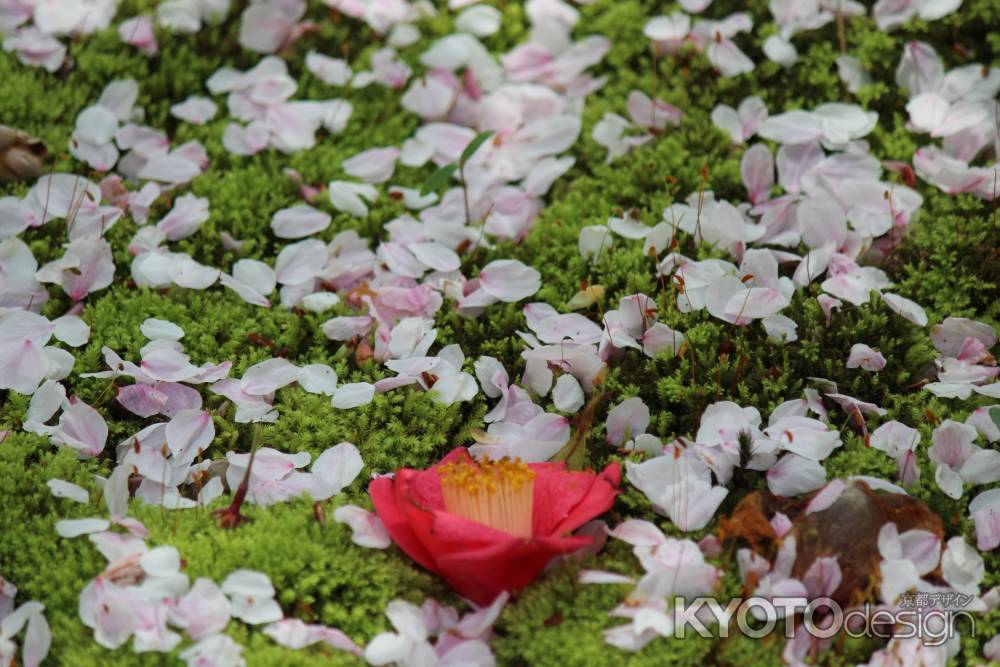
353,395
77,527
318,379
567,395
337,467
63,489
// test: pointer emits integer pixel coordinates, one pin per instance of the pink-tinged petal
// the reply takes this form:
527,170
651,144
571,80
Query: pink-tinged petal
639,533
601,577
650,113
509,280
983,467
87,266
168,365
300,262
336,468
116,491
23,366
249,140
893,437
179,397
333,71
922,548
142,400
138,31
927,112
827,497
628,419
920,70
367,529
151,464
823,577
195,110
448,140
268,376
757,169
299,221
435,255
294,634
187,215
430,97
949,336
985,512
932,10
186,272
865,358
36,48
266,26
909,468
910,310
213,650
349,197
793,475
82,428
37,641
189,433
791,127
372,166
795,160
781,524
822,221
203,612
347,327
728,58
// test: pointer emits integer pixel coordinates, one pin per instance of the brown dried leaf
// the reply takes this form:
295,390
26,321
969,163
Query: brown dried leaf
847,530
22,156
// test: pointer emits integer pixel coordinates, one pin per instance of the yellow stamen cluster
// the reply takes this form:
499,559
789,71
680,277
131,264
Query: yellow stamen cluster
499,494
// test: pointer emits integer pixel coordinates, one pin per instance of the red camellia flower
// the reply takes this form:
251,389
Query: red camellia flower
490,526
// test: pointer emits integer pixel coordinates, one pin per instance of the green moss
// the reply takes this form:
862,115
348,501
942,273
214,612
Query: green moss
948,263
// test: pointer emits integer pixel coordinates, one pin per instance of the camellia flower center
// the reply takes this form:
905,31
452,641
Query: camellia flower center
499,494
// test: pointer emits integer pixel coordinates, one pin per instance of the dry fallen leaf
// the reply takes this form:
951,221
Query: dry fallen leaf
847,530
22,156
